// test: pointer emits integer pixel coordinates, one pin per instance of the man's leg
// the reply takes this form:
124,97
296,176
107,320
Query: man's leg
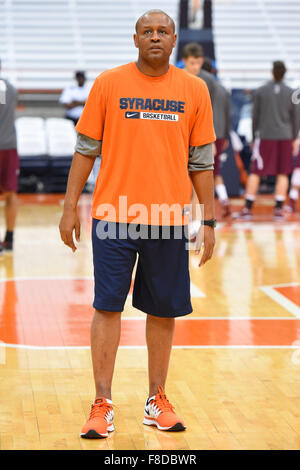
282,184
11,207
114,258
281,189
252,185
159,337
105,338
158,410
162,286
283,169
264,163
250,194
222,195
294,191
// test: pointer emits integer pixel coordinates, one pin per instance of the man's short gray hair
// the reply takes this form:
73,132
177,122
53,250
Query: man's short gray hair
154,12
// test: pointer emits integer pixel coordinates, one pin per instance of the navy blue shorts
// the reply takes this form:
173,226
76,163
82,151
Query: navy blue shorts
162,280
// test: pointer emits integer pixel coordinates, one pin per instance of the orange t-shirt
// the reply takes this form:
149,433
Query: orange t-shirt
146,125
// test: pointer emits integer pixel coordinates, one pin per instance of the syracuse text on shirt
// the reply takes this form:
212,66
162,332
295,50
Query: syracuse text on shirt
149,104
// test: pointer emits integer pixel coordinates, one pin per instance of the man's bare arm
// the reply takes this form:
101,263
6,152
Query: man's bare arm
86,150
79,172
201,164
203,182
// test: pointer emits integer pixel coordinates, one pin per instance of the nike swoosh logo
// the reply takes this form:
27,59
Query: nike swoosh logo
130,115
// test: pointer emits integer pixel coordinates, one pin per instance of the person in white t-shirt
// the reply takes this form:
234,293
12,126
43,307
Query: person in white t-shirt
74,97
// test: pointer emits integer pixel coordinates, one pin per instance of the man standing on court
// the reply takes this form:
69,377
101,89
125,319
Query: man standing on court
275,128
9,160
153,125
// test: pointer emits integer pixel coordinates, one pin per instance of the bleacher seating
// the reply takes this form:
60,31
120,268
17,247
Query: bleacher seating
42,43
31,137
61,137
46,150
250,34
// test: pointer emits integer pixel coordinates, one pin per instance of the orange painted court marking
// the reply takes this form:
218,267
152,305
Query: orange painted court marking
291,292
58,312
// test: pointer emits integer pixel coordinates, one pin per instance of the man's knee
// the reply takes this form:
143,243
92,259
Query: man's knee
98,312
161,320
11,197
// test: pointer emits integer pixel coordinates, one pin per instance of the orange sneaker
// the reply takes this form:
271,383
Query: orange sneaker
101,420
160,413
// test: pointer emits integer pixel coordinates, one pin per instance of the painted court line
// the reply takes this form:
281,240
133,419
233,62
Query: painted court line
64,322
194,332
54,348
282,299
216,318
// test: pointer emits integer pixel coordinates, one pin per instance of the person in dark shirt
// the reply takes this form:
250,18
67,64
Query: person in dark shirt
9,160
193,58
222,125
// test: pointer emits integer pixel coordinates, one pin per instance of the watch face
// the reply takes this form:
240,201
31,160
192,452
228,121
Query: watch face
210,223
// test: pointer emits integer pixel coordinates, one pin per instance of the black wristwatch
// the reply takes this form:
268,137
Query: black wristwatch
211,222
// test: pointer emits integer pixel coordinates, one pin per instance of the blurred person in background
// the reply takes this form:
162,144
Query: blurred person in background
74,97
193,59
295,181
222,125
9,160
275,127
195,14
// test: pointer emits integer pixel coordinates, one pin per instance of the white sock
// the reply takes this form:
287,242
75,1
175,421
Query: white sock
294,194
221,192
250,197
279,197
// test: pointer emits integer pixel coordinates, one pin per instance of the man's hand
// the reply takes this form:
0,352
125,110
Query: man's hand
208,234
69,222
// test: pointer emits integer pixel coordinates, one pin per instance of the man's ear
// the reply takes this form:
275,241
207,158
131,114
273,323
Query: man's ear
175,40
135,39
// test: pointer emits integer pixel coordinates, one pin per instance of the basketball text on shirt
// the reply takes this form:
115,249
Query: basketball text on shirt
152,105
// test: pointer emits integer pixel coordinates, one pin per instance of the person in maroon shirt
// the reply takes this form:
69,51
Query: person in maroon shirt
275,128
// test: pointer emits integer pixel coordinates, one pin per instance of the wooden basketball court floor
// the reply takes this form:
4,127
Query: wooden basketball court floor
235,368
